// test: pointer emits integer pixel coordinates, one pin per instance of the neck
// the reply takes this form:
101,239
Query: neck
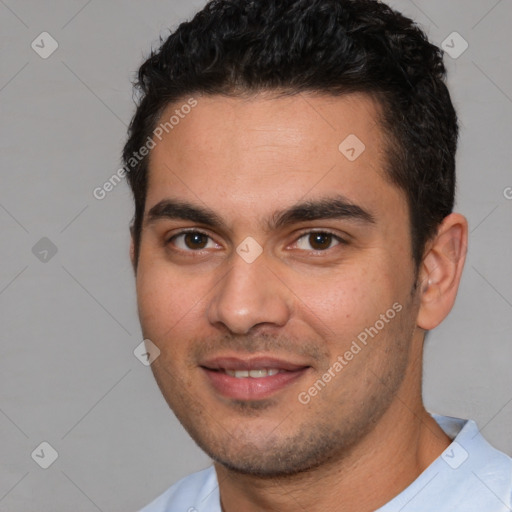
402,445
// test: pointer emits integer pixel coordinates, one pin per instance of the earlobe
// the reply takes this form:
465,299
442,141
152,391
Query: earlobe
441,271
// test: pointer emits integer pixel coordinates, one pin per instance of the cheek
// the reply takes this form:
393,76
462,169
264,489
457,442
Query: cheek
165,300
346,302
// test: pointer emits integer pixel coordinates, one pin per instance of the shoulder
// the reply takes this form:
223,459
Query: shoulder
473,465
469,476
196,492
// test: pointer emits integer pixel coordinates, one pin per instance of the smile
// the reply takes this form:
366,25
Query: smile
255,374
255,378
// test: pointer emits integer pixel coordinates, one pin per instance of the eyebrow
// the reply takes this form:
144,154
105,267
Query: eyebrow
338,207
172,209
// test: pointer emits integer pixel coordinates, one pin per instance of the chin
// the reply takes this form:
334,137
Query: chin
270,458
267,468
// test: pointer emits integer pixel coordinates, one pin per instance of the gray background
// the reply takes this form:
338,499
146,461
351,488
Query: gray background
68,375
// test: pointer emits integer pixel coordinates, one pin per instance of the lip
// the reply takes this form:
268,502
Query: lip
250,363
251,388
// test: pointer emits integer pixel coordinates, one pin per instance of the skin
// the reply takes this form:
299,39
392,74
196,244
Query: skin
246,160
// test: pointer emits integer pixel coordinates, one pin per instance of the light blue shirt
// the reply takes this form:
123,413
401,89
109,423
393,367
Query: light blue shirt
469,476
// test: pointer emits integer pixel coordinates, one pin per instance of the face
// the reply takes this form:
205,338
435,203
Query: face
275,276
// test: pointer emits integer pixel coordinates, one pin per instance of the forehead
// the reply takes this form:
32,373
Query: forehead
264,153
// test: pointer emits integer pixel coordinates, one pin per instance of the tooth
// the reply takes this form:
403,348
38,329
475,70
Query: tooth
255,374
258,373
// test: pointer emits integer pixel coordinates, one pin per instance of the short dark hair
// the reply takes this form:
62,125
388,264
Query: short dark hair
240,47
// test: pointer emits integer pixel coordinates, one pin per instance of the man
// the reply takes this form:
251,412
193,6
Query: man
292,164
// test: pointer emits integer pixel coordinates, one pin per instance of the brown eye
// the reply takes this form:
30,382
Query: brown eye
192,241
320,241
195,240
317,241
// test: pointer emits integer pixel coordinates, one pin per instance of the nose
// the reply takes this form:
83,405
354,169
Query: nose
249,294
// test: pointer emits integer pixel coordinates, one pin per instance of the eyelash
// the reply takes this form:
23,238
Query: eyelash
336,238
188,232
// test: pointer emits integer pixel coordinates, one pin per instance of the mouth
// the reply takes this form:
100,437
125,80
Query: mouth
249,378
254,374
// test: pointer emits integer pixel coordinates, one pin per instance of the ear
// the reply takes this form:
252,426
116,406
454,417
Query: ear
132,249
441,270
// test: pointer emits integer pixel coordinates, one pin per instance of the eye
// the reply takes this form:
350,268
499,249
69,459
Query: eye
317,241
192,241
